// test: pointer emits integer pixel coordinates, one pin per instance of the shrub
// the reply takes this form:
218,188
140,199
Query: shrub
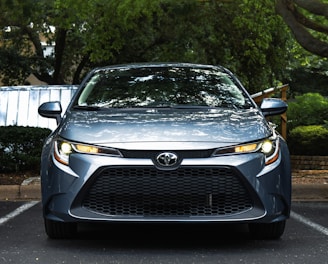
307,109
309,140
21,147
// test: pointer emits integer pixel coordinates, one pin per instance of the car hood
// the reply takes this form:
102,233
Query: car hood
118,127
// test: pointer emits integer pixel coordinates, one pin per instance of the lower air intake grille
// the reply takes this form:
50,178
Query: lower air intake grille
185,192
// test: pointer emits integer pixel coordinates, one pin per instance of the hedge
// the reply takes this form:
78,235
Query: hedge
308,140
307,110
21,147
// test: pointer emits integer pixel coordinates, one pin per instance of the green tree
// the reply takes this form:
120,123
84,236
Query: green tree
77,29
244,36
260,42
307,20
308,78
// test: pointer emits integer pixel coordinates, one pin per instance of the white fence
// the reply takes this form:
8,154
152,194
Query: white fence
19,104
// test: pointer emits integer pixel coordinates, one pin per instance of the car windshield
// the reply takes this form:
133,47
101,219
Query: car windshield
162,87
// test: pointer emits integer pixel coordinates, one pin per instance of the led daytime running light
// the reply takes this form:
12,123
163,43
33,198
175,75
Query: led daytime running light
246,148
86,149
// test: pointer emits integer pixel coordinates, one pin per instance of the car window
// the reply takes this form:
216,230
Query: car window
162,87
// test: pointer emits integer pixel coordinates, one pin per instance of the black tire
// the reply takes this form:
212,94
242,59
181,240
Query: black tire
59,230
267,231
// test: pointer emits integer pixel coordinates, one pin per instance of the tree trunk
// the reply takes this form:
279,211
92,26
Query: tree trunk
76,78
287,9
59,53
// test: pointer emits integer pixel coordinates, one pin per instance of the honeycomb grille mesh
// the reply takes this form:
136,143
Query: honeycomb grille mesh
185,192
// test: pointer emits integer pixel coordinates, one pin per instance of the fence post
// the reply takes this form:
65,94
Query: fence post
258,97
283,117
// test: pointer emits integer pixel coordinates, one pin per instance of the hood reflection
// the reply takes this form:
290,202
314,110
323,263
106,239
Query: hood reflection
221,126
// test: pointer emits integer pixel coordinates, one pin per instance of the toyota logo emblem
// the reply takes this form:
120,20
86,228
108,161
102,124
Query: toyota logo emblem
167,159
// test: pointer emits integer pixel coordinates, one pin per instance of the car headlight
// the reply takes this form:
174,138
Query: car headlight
269,147
63,149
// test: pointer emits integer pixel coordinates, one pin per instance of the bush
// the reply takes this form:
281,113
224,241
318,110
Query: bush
21,147
307,109
309,140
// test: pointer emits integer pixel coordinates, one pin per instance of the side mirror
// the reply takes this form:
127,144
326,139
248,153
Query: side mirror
51,110
273,106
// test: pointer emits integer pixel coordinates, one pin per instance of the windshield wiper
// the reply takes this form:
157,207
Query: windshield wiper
87,107
163,105
190,107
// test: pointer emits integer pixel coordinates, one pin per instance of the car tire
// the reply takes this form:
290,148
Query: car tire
59,230
267,231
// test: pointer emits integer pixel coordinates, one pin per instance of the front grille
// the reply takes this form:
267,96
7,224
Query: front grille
185,192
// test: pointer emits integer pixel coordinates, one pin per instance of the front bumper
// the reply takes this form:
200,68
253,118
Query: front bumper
238,188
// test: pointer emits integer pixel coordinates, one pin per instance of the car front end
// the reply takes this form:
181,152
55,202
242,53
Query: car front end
165,164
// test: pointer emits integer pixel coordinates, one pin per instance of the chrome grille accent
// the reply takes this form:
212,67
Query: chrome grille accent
185,192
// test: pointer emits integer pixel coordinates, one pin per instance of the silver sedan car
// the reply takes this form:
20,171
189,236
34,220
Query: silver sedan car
165,142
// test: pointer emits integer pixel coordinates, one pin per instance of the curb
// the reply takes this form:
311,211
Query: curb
20,192
30,189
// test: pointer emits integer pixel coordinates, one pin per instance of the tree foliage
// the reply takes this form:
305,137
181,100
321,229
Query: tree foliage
244,36
311,78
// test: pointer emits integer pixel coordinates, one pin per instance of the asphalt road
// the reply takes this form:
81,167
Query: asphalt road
22,240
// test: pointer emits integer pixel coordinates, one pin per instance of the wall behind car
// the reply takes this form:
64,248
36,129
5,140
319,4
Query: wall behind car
19,104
